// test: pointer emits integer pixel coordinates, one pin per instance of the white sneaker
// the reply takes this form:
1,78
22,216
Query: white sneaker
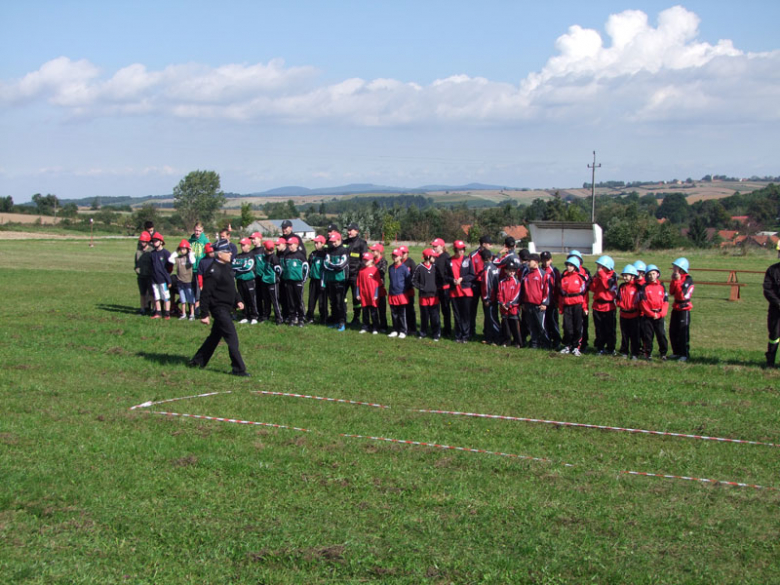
183,316
192,317
402,336
564,351
683,359
375,333
576,352
362,331
244,321
253,322
393,334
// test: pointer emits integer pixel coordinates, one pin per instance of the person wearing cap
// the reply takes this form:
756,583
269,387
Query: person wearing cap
269,270
224,234
356,247
381,266
627,301
441,263
551,314
460,276
287,233
161,278
184,272
424,280
411,314
573,304
508,296
257,252
485,243
295,272
244,269
369,285
316,292
585,318
149,228
681,289
281,250
198,241
653,306
535,297
218,299
491,328
399,280
143,270
604,289
335,274
507,254
771,288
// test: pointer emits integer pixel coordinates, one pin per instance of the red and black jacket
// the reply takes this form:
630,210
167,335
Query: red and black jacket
573,290
604,289
628,300
682,290
653,300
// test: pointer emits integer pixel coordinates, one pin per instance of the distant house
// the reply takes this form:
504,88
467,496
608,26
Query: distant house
273,227
728,235
743,219
518,232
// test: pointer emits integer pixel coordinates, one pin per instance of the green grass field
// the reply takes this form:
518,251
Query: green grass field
94,492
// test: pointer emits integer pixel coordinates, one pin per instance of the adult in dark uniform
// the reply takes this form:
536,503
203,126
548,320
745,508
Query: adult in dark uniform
218,299
356,247
772,294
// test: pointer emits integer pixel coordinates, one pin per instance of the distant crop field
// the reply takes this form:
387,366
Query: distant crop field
28,219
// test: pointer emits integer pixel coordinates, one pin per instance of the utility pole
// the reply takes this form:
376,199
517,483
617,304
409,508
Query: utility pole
594,166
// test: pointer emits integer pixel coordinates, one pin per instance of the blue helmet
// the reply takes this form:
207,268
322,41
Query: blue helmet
574,261
607,262
576,253
682,264
640,266
651,267
630,269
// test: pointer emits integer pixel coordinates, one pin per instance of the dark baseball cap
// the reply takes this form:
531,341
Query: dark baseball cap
222,246
286,223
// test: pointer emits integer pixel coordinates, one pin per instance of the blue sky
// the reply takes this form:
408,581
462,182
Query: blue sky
100,99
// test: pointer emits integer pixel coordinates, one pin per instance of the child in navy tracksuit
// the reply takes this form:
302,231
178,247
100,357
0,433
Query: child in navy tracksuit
491,332
399,279
424,280
161,277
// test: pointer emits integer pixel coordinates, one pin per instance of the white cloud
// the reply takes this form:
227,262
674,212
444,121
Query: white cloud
639,72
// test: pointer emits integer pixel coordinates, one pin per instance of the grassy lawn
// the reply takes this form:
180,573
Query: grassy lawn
94,492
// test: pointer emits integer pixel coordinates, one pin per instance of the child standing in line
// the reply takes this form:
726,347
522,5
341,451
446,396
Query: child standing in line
281,251
316,291
551,314
535,297
491,331
369,284
411,314
424,280
585,320
399,279
335,274
460,277
641,268
143,270
681,289
269,270
184,270
381,266
161,278
244,270
628,302
604,289
653,305
295,272
573,304
509,302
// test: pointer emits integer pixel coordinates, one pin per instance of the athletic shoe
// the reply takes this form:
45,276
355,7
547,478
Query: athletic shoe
394,334
436,339
300,323
564,351
242,374
244,321
683,359
634,358
602,352
182,317
576,352
341,327
663,358
192,317
624,355
375,332
673,356
253,322
167,318
156,316
363,331
402,336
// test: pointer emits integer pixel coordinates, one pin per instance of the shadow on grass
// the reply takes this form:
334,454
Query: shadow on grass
165,359
118,309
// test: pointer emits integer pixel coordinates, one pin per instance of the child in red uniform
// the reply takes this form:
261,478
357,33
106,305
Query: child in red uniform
424,280
369,285
509,304
460,277
573,305
411,314
399,280
535,296
653,305
604,289
628,302
681,288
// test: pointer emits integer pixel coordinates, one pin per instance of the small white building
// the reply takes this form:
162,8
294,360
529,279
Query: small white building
273,227
564,236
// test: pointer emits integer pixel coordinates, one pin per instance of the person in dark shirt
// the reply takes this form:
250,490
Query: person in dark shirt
218,299
356,247
772,295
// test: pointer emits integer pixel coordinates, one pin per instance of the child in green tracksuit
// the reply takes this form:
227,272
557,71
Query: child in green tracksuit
269,270
316,290
295,272
244,269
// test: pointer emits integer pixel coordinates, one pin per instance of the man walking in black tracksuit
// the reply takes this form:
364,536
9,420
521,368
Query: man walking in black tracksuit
772,294
218,299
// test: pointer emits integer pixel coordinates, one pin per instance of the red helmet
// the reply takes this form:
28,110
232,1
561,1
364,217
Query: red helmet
158,236
185,244
144,237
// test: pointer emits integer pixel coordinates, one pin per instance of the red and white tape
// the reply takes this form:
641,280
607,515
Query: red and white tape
150,403
701,479
326,399
590,426
230,420
467,449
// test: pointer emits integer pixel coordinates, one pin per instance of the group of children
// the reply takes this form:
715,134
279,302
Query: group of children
522,294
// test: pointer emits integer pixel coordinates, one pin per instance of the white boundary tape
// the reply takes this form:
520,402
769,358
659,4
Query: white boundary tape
324,398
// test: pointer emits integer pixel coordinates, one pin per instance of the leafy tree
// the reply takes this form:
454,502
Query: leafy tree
198,196
70,210
763,211
6,203
46,205
697,232
292,212
390,228
147,212
106,216
95,204
675,208
247,216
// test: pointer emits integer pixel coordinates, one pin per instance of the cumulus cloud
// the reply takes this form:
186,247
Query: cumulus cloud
636,72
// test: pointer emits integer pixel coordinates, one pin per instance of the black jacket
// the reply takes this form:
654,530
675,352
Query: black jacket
442,264
424,280
356,247
219,288
772,285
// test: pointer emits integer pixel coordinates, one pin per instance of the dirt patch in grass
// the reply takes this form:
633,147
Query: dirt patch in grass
187,461
333,553
9,439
